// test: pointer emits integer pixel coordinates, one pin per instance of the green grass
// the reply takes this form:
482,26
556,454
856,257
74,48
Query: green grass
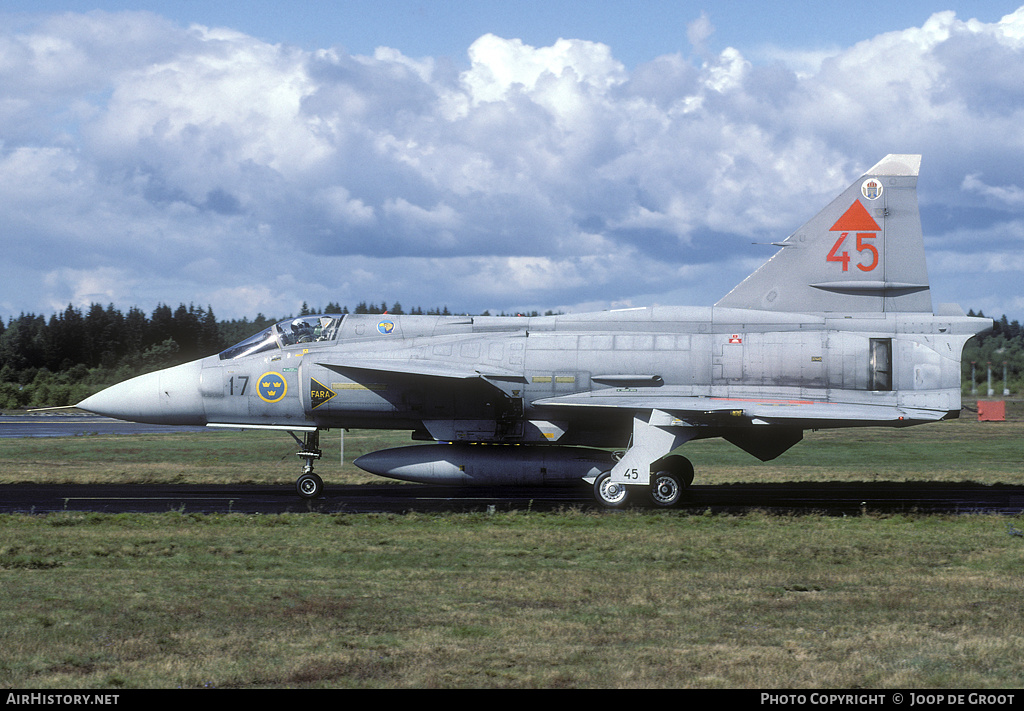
953,451
510,600
633,599
215,457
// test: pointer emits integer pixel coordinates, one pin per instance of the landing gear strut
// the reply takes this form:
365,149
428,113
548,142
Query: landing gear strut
309,485
646,466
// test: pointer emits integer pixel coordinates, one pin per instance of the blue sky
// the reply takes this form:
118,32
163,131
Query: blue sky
483,155
637,31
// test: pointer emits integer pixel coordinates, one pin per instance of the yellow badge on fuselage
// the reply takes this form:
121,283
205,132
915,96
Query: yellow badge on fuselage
271,387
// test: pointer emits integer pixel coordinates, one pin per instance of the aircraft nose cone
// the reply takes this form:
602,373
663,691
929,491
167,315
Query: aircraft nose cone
166,397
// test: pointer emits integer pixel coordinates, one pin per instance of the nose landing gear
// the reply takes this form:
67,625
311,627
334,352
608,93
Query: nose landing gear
309,485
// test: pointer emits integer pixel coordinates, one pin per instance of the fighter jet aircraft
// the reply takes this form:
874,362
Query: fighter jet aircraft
835,330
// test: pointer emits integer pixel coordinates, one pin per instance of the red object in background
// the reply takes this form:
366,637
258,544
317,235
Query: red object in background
991,411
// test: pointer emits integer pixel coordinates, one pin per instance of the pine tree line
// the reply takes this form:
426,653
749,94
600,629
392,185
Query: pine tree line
1003,344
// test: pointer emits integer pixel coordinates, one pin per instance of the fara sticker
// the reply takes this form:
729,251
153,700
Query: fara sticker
271,387
386,327
319,393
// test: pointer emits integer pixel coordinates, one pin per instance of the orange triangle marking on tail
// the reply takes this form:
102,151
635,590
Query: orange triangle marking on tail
855,219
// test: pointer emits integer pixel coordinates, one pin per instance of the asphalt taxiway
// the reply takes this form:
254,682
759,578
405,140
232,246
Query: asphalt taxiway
72,425
825,498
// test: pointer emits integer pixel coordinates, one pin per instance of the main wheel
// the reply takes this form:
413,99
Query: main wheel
672,476
609,493
309,486
666,489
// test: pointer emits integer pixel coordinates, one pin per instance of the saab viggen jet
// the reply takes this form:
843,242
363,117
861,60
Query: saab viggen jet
835,330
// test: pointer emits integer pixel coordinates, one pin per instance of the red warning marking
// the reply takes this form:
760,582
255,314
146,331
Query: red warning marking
856,219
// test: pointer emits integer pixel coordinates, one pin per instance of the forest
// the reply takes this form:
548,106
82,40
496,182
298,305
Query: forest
60,360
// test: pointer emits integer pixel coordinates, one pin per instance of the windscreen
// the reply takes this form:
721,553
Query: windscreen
290,332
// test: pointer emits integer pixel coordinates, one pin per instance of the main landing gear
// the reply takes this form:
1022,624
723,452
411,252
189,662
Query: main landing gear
309,485
670,478
646,468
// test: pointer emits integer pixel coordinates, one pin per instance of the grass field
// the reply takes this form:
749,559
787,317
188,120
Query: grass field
958,450
634,599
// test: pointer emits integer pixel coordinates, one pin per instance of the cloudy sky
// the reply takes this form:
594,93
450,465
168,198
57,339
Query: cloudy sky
488,155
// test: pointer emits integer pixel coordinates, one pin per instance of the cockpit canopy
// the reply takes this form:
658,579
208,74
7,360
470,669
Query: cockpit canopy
290,332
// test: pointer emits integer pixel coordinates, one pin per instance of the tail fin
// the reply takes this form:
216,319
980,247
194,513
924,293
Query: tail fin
863,253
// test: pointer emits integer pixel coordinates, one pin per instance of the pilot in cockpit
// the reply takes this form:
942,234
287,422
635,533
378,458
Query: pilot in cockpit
301,331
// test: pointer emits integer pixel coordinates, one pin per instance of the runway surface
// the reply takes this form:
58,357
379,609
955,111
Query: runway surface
827,498
64,425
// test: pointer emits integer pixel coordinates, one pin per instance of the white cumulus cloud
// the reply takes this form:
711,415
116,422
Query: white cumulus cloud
144,162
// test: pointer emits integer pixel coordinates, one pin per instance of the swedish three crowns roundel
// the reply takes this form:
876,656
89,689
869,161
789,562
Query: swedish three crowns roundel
271,387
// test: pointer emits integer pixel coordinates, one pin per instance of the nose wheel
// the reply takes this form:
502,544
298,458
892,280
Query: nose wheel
309,485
